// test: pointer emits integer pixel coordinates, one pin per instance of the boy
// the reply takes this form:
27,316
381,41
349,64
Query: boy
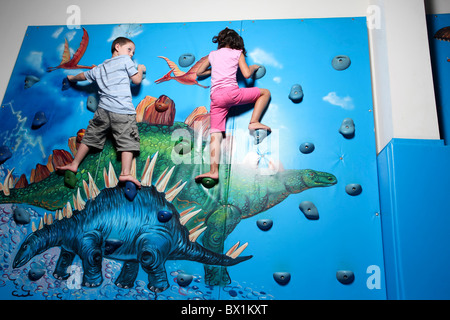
115,111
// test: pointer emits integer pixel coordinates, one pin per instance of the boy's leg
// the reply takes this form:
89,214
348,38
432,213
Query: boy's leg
81,153
214,146
125,174
260,106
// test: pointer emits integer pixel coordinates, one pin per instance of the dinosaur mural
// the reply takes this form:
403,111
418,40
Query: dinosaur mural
110,226
252,192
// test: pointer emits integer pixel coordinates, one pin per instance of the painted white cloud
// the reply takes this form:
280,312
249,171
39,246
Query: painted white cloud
277,80
57,32
260,56
125,30
343,102
34,60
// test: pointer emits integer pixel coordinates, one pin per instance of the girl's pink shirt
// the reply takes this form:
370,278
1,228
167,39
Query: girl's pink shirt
224,63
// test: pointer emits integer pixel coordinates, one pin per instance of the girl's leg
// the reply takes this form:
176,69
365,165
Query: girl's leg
125,174
214,145
81,153
260,106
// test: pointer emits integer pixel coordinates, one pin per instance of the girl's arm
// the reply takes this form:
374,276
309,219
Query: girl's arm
247,71
204,69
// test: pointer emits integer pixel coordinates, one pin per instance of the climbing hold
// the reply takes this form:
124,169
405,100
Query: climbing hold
21,216
260,72
347,128
182,146
209,182
111,245
30,81
259,135
340,62
5,154
353,189
70,179
345,276
39,120
264,224
130,190
307,147
282,278
65,84
184,279
185,60
92,103
163,103
296,94
144,75
164,216
35,273
309,210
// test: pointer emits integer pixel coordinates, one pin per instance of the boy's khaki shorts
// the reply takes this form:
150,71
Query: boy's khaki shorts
122,126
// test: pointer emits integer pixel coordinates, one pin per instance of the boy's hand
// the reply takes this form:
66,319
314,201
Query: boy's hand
71,78
142,68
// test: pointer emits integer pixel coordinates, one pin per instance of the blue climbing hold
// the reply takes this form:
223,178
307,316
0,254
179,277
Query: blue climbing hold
70,179
309,210
21,216
340,62
307,147
5,154
347,128
92,103
130,190
260,72
185,60
65,84
35,273
282,278
30,81
164,215
111,245
39,120
345,276
353,189
264,224
296,94
259,135
184,279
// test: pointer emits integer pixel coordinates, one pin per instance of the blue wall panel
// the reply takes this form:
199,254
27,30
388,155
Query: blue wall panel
415,203
347,235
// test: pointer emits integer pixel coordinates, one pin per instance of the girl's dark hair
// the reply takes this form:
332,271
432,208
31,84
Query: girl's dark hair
121,41
229,38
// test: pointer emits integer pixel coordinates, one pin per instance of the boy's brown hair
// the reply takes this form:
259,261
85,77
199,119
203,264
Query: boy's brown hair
121,41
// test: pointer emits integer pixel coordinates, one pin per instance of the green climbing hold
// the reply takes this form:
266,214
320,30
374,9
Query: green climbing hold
70,179
209,182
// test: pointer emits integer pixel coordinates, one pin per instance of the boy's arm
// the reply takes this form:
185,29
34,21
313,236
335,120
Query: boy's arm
137,77
247,71
78,77
203,69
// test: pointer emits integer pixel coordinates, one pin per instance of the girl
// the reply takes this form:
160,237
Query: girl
222,65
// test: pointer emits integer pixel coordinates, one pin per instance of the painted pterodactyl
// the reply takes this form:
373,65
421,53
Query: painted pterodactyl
67,62
188,78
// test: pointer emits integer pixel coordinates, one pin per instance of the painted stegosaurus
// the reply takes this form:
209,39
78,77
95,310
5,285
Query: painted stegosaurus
110,226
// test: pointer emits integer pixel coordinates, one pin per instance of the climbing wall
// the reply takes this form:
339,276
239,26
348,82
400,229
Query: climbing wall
302,204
